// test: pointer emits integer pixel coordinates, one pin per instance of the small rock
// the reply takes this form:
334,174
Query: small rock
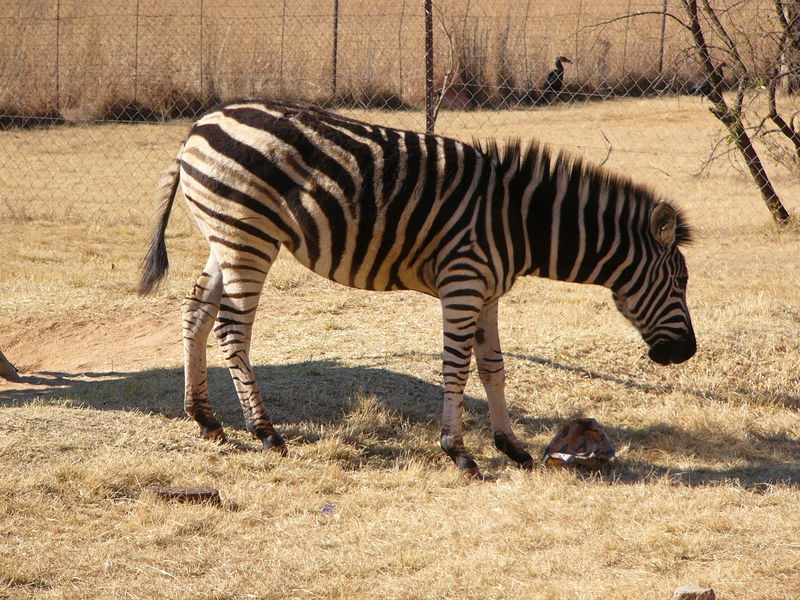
190,495
579,442
693,592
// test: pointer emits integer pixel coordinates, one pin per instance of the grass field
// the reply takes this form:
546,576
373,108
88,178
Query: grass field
705,489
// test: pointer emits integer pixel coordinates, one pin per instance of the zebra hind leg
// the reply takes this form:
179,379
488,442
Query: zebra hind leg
243,274
199,312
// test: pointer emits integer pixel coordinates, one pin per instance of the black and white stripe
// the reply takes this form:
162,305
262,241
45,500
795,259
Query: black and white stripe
385,209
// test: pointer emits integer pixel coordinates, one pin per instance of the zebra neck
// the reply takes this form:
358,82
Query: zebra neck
582,226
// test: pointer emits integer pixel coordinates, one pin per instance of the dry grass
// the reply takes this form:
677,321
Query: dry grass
322,524
705,490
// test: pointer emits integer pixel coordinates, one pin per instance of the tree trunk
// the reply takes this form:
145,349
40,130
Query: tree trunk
745,145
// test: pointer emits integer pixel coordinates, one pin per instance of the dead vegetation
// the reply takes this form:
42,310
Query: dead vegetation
151,60
366,505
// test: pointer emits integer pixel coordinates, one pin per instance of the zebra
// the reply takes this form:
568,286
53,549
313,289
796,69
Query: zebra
377,208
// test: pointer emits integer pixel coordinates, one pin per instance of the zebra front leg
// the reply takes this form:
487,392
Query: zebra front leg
199,311
459,318
243,279
492,374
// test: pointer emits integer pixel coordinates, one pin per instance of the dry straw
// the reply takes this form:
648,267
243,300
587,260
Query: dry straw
149,60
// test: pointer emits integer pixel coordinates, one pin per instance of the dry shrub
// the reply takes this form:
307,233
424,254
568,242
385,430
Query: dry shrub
516,85
472,80
27,85
168,63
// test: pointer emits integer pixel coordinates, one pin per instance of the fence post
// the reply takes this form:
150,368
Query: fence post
58,54
577,36
661,42
136,57
429,108
400,45
202,64
335,58
283,35
525,42
625,43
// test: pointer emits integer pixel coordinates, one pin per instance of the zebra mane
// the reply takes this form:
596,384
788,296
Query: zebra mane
513,157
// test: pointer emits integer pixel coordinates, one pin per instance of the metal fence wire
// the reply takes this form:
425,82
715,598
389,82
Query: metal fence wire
92,90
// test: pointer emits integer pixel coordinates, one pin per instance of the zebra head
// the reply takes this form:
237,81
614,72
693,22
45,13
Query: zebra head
655,300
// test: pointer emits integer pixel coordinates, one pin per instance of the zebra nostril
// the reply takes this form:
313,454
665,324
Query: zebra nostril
684,351
661,353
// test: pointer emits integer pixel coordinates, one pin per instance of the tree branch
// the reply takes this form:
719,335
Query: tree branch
779,121
732,118
609,148
448,78
720,109
723,33
642,13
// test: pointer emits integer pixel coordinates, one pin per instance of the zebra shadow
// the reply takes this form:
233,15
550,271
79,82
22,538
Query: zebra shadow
785,400
313,399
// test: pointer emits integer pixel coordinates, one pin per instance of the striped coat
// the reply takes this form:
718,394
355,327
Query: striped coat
384,209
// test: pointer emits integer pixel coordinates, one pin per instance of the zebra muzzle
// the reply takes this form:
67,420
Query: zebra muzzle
673,352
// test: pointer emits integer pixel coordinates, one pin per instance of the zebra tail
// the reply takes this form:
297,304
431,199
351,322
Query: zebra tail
156,263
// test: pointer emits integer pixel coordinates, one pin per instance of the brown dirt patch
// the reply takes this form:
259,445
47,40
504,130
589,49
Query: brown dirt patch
52,353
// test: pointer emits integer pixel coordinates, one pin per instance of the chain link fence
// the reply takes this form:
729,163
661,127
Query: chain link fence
95,97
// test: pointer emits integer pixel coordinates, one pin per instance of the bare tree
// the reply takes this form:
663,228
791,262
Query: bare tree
782,60
732,115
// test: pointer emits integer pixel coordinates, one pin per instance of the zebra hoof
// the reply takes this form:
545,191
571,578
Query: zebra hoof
214,435
473,473
509,446
282,450
468,467
275,443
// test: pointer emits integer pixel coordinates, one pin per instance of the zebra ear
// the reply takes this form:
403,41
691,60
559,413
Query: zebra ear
663,221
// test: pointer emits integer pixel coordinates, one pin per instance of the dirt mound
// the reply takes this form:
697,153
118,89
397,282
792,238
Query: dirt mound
48,350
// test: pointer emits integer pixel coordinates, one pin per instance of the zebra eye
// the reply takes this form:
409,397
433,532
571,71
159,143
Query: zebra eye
681,281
